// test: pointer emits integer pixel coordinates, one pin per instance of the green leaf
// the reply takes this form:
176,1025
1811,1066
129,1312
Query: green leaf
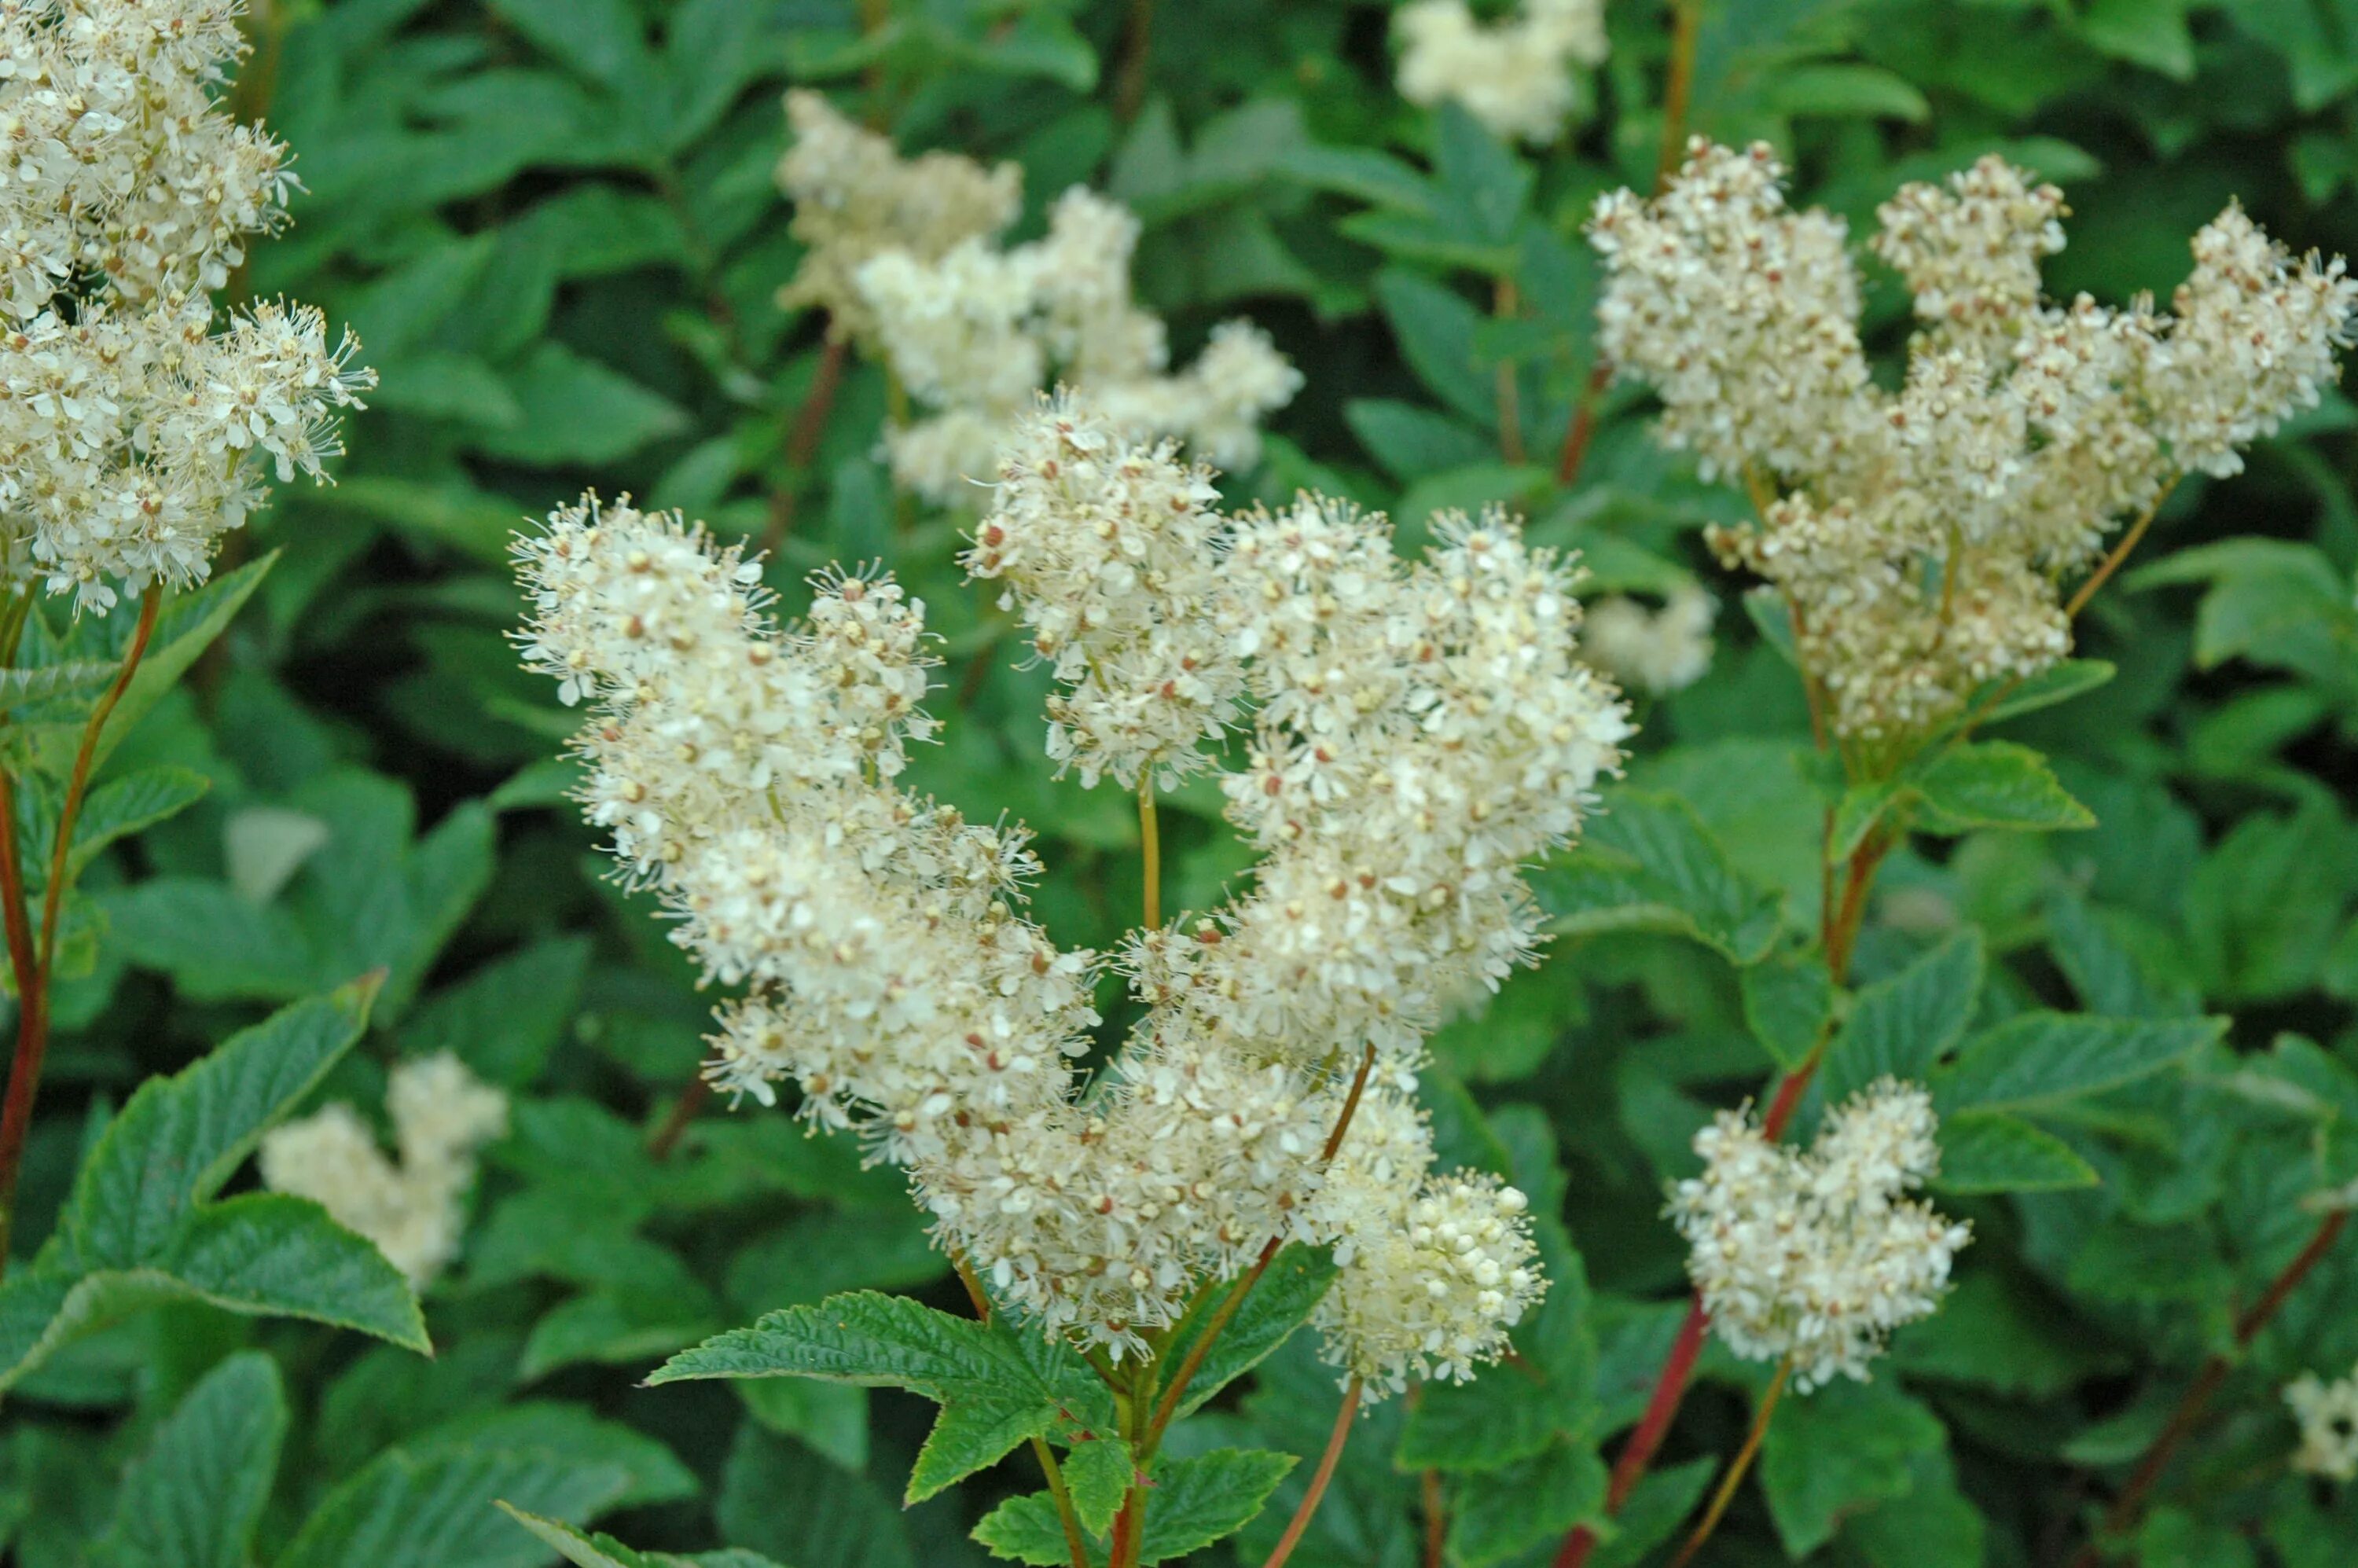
185,627
2151,33
218,946
1842,1449
1413,442
132,803
1993,784
1658,1505
181,1137
1480,184
615,1324
1367,174
1191,1504
2057,683
402,1510
1846,91
1436,328
570,1433
865,1337
1991,1152
576,410
601,1551
777,1497
1289,1291
599,39
48,683
193,1496
1789,1000
832,1418
1026,1528
2038,1060
1648,864
1098,1474
268,1254
1499,1513
1903,1025
504,1019
1199,1500
1495,1423
995,1390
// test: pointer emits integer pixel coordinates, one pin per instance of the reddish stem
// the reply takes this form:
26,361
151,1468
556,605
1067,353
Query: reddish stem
802,438
1669,1387
33,1000
1582,428
2156,1459
1317,1492
684,1110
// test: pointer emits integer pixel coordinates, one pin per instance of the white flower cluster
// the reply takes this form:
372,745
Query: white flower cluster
413,1210
1815,1257
132,432
2327,1414
904,255
855,198
1107,550
1655,651
1514,75
746,771
1919,535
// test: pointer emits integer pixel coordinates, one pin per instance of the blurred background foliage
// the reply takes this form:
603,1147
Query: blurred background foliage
555,226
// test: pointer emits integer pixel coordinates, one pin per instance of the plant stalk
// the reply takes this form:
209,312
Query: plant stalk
1727,1492
1150,839
1325,1472
33,1000
1168,1406
1074,1542
2126,1507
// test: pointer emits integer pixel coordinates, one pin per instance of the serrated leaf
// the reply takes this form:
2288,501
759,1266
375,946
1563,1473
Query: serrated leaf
1499,1513
1289,1291
132,804
1098,1474
1902,1025
1199,1500
863,1336
1026,1528
995,1390
1648,864
602,1551
269,1254
974,1431
181,1137
1844,1448
1991,1152
48,683
193,1496
402,1510
1993,784
185,627
1789,1000
2040,1059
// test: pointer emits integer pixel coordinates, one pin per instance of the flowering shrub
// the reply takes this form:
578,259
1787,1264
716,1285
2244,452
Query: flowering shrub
1459,784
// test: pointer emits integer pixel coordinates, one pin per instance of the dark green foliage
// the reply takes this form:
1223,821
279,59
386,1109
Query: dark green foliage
2115,927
